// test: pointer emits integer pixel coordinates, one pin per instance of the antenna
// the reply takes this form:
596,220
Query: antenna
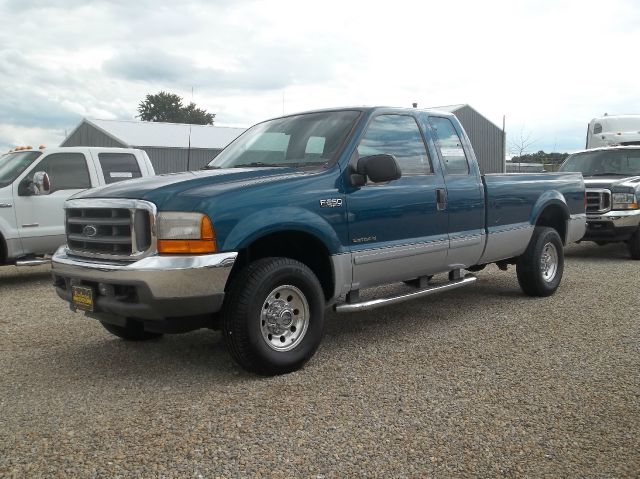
189,147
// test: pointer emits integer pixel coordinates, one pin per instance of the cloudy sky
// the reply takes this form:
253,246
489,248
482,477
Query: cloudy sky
548,65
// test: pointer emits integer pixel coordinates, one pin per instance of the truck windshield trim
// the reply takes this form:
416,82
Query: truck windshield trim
13,164
308,141
604,163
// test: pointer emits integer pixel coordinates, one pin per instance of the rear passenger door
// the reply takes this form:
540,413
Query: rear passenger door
465,193
397,231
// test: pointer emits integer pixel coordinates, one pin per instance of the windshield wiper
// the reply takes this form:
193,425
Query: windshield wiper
256,163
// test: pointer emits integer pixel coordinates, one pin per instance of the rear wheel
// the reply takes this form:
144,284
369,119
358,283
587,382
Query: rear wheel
273,316
634,245
133,331
541,266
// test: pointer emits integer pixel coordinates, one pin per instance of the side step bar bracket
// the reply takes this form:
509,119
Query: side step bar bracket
353,307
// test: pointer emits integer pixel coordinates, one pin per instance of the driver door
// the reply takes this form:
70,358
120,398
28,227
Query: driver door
40,218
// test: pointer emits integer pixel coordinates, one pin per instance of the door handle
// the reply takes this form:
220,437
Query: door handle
5,205
441,198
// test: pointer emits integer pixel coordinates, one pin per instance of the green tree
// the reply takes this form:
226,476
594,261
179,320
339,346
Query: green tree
197,116
168,107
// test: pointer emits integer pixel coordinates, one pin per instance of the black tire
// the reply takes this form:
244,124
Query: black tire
133,331
243,325
634,245
531,277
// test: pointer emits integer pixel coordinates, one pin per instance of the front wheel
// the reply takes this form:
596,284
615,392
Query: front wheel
541,266
273,316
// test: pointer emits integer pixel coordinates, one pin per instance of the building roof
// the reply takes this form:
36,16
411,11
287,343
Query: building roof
448,108
165,135
460,106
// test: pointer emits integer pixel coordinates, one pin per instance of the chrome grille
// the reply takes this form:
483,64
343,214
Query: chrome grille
598,201
110,229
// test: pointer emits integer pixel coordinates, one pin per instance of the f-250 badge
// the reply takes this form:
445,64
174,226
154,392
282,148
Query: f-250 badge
331,203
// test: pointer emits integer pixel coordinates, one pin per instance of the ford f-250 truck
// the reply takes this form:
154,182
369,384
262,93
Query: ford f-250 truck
612,179
304,212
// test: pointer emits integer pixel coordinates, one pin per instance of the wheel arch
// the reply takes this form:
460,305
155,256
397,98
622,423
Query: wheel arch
295,244
551,210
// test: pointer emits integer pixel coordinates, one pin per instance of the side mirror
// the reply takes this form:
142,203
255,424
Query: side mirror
378,168
42,183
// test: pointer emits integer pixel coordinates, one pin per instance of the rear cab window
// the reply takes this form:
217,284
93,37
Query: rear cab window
449,146
118,167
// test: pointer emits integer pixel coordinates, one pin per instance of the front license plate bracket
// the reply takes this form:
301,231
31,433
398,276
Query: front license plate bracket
82,297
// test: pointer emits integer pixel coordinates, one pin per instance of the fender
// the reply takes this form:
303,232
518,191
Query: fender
549,198
262,223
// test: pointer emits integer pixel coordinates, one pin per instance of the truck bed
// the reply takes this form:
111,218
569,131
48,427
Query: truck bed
514,202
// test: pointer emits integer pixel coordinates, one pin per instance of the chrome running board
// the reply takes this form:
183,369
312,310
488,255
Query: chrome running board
379,302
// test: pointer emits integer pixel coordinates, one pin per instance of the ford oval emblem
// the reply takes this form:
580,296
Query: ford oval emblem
89,231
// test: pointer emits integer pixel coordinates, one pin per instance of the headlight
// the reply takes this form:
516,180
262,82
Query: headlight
182,233
624,201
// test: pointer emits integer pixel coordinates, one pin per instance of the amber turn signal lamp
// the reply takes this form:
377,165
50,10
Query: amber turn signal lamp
206,243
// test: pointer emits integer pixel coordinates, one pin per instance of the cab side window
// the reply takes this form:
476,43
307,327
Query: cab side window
400,136
67,171
118,166
449,144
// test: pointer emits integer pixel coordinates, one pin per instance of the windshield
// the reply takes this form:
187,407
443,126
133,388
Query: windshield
604,162
309,140
12,164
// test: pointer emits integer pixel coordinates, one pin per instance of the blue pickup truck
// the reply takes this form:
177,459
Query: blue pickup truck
304,212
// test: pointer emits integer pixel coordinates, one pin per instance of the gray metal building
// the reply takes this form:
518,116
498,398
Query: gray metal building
171,147
487,139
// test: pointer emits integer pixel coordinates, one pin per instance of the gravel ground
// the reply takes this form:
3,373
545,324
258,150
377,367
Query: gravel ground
476,382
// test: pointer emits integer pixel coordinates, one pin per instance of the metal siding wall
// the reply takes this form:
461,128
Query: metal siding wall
87,135
173,160
486,139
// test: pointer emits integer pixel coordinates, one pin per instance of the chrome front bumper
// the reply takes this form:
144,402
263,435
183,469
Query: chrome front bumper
619,219
612,226
155,287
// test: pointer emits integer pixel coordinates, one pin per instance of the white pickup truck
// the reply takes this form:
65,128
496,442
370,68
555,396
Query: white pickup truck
34,184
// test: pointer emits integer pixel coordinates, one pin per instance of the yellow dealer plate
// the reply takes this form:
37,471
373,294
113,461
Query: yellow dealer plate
82,297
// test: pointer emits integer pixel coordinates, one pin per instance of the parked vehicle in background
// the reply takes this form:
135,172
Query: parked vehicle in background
612,179
304,212
611,130
34,184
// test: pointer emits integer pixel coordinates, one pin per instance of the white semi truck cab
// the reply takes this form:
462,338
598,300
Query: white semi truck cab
613,130
35,183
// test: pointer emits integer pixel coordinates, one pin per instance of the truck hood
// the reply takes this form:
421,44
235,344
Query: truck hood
611,182
158,189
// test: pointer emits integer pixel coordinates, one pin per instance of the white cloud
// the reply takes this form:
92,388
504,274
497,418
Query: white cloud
548,65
